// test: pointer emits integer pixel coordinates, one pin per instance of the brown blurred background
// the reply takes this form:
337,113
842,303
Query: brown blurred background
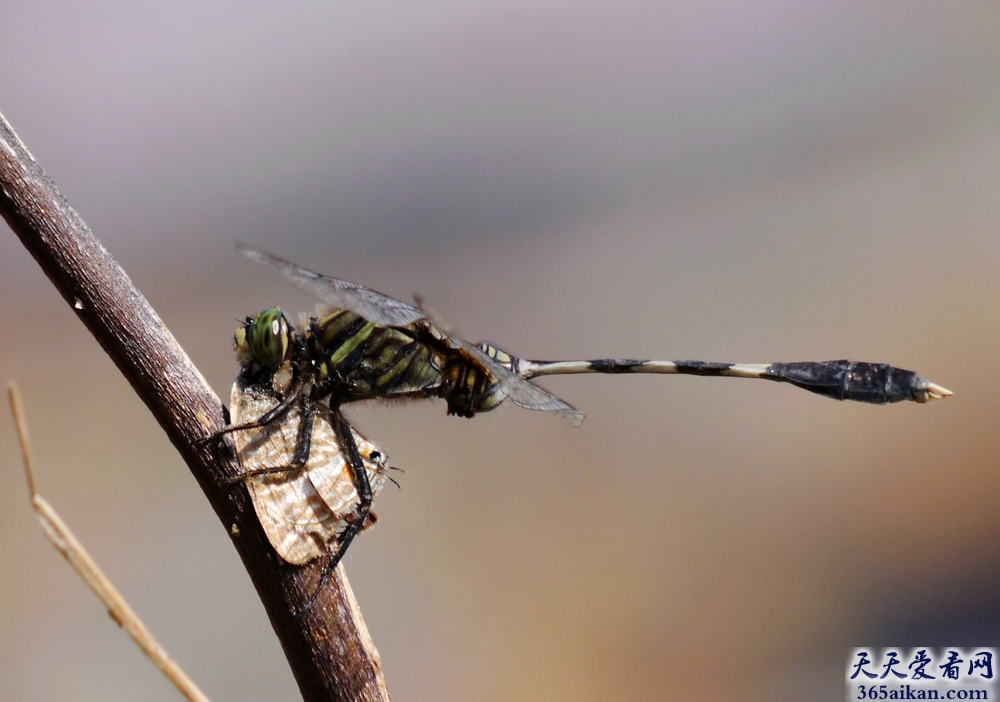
725,182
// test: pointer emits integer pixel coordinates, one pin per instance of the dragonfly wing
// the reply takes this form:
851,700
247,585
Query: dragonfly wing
342,294
524,393
518,390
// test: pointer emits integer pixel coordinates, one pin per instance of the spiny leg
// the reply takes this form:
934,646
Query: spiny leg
876,383
355,523
303,445
275,412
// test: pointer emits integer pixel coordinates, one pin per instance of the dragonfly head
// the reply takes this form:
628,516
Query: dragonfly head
262,341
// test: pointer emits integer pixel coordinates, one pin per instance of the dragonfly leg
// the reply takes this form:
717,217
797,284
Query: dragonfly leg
279,410
362,516
303,445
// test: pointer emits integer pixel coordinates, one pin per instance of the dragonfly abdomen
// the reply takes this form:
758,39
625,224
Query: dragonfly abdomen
874,383
469,390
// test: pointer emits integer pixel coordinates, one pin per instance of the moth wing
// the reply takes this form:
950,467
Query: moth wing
296,520
331,477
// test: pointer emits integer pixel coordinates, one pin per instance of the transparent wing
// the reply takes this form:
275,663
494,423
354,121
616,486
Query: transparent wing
370,304
521,392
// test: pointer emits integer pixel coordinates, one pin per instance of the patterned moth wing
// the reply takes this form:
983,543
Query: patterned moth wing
302,511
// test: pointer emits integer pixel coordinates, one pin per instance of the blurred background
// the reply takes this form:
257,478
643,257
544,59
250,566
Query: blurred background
720,180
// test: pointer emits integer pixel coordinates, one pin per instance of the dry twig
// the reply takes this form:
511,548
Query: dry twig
77,556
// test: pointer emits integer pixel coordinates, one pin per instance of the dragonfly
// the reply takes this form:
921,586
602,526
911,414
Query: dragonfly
313,478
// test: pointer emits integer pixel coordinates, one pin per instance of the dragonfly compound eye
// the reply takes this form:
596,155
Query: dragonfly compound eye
264,340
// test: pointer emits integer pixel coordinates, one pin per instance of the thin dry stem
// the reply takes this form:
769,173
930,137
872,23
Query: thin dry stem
77,556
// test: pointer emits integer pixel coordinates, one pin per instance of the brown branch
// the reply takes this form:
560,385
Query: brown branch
329,650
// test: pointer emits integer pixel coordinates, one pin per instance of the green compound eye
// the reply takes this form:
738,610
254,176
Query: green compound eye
264,340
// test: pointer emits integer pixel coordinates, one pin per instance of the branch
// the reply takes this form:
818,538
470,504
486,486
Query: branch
329,650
